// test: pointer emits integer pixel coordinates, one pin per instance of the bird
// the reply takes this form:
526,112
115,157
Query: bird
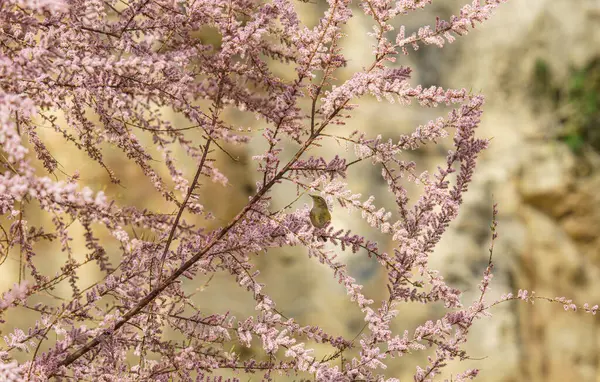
319,214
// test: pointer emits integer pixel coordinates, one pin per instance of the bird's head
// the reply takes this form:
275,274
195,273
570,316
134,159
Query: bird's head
319,201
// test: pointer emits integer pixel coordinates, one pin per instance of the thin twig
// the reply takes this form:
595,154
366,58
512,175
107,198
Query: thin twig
183,206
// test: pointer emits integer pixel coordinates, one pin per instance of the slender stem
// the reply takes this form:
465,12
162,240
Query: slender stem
289,204
313,111
183,205
133,16
21,242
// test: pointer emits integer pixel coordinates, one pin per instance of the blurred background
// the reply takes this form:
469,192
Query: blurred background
538,64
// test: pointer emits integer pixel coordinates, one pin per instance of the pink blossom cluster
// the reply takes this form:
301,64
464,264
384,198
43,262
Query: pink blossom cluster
15,295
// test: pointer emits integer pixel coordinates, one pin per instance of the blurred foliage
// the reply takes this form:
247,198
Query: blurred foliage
542,78
584,99
577,102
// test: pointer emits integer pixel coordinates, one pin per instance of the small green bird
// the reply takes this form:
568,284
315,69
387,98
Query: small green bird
319,214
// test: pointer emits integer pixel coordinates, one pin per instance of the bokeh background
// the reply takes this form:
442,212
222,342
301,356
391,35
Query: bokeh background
538,64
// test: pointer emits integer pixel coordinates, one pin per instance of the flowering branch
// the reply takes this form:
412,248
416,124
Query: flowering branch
102,74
